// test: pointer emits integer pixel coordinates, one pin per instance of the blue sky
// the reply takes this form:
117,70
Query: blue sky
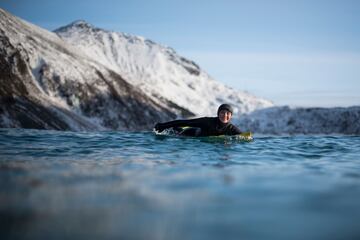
293,52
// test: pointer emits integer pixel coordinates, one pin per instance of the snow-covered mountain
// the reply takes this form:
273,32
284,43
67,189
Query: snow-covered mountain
89,78
285,120
85,78
47,83
158,70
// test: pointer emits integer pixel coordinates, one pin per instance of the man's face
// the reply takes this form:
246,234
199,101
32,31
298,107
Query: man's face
225,116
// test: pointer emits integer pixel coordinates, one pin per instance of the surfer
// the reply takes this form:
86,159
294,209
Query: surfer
205,126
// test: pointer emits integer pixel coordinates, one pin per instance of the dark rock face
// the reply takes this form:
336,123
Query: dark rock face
12,68
46,85
22,112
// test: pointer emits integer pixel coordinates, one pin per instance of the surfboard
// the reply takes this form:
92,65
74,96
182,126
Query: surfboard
179,132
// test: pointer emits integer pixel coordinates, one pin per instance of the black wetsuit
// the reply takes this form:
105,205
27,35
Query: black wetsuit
201,127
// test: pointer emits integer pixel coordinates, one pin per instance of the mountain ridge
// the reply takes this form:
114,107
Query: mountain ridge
49,84
282,120
157,70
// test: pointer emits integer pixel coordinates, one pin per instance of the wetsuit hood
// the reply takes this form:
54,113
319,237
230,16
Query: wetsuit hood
226,107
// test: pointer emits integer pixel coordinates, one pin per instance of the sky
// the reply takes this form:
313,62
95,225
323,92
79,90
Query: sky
301,53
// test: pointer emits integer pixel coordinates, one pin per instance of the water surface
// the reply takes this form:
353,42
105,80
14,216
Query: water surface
116,185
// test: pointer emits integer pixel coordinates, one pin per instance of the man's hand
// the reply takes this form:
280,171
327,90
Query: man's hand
159,127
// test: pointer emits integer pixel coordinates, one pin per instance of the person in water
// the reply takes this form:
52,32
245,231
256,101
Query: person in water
205,126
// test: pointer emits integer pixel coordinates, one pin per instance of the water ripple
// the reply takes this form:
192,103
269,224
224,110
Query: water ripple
275,187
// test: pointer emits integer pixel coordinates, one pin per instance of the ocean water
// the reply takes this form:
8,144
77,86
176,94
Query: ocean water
125,185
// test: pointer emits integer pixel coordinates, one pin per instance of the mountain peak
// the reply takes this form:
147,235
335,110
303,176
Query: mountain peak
81,23
78,24
47,83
